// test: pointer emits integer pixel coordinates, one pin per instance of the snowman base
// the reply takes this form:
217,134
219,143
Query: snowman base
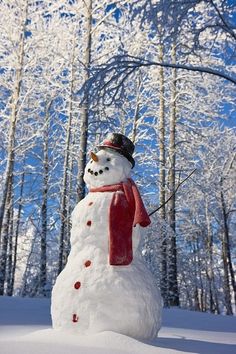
123,300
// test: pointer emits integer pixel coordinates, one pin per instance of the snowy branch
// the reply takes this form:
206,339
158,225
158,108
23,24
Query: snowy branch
225,26
106,82
171,196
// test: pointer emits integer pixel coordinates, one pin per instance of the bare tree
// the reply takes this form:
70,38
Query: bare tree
7,195
14,113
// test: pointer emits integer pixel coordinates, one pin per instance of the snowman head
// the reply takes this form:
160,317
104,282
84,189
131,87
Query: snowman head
105,168
113,162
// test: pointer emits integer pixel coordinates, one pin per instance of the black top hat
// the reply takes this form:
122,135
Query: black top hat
121,144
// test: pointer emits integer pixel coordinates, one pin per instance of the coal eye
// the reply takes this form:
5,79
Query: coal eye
108,159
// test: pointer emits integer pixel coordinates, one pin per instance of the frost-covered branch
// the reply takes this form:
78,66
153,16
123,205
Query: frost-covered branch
171,196
106,82
229,28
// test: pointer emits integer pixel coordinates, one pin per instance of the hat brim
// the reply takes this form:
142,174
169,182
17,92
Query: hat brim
118,149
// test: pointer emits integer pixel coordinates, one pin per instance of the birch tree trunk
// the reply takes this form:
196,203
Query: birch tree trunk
173,283
14,115
162,178
26,287
213,297
6,237
69,206
10,252
199,277
136,113
228,249
63,252
85,109
225,255
6,204
195,270
44,206
18,218
9,174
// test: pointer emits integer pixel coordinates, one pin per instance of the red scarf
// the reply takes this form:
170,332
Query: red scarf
126,211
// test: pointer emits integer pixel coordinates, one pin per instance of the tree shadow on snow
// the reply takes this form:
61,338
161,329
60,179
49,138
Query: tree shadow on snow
24,311
199,321
196,346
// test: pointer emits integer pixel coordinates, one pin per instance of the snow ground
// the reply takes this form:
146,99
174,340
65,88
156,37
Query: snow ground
25,328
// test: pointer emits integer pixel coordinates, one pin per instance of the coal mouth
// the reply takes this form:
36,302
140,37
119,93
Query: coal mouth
99,172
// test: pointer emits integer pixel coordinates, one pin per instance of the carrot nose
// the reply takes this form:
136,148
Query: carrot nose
94,156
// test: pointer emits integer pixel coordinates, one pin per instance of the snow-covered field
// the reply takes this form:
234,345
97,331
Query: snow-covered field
25,328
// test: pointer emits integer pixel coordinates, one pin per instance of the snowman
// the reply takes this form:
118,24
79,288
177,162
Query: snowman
105,286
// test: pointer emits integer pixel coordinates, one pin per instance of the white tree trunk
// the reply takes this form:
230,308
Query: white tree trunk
85,108
173,283
18,218
225,258
162,177
14,115
6,203
64,213
136,113
44,206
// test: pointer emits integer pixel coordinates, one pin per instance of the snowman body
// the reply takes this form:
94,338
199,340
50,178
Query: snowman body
90,295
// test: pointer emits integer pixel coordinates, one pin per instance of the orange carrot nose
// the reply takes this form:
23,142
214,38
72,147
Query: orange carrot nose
94,156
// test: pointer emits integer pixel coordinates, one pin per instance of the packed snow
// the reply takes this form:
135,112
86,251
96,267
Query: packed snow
25,328
91,295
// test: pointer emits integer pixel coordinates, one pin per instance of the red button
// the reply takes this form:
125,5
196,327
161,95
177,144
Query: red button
89,223
87,264
77,285
75,318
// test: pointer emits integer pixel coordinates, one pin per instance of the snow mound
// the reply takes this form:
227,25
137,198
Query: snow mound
25,328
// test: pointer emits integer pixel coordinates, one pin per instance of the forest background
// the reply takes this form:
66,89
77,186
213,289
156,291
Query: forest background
162,73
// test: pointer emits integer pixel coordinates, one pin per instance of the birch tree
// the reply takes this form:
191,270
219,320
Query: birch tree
173,282
208,223
17,36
